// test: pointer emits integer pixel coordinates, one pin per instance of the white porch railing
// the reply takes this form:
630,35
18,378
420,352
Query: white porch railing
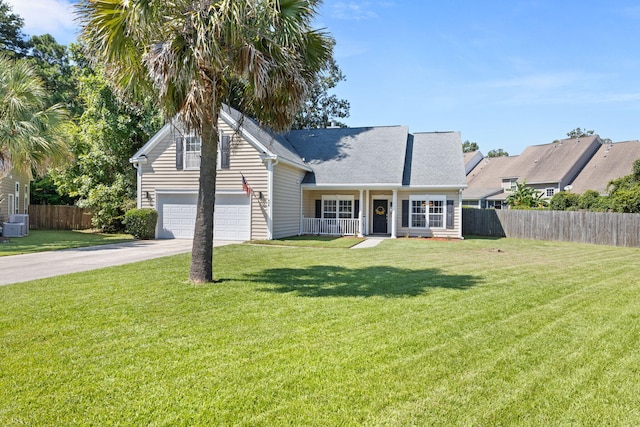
336,227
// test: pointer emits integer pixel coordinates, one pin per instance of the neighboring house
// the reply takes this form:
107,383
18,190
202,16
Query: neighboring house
610,162
471,160
14,195
342,181
548,168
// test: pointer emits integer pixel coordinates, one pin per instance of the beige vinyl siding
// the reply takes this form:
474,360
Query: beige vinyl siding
8,186
436,232
286,201
160,173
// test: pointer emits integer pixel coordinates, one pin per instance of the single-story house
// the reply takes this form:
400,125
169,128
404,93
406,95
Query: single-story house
337,181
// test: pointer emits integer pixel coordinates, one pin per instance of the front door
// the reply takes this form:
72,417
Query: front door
380,208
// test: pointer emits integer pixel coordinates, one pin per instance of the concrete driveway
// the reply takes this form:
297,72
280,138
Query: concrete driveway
21,268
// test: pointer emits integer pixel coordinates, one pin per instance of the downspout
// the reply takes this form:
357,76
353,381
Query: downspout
138,182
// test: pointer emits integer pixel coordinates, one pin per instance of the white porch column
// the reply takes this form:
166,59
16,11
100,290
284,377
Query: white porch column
366,212
360,216
460,213
394,209
270,199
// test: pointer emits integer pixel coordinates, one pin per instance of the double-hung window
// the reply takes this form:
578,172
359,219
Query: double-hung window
436,213
192,149
427,211
418,213
340,207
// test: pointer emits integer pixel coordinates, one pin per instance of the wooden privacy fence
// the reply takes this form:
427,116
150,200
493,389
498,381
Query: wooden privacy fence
49,217
601,228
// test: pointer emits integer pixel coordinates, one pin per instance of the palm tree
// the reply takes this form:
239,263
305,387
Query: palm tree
30,133
191,52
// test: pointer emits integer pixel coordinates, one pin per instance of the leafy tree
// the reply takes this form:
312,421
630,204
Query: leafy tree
30,132
44,191
107,134
497,153
564,200
524,197
469,147
624,193
52,62
579,133
322,109
12,40
190,51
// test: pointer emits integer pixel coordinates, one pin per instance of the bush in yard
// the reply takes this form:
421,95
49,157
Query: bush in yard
563,201
141,223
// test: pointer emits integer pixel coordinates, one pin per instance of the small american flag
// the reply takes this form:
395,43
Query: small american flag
245,186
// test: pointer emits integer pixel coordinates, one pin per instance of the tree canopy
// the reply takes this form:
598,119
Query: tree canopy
469,147
30,131
497,153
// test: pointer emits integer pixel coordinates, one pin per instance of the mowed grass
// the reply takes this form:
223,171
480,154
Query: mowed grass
411,332
51,240
312,241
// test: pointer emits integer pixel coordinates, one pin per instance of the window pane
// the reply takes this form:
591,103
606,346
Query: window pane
191,152
418,211
436,213
346,208
329,208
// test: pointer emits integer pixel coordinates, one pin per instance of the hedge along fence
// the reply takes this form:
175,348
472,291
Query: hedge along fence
50,217
601,228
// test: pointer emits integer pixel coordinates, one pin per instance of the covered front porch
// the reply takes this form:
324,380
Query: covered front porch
346,212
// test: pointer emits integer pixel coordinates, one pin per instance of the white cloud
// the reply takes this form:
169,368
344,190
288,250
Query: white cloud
353,11
46,16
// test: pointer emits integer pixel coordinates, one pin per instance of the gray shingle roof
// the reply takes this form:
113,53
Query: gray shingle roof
611,161
435,159
486,178
368,155
274,142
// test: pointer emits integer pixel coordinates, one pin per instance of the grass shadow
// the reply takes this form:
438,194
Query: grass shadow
385,281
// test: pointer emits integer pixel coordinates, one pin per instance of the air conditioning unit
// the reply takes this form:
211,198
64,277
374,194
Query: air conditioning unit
12,229
20,219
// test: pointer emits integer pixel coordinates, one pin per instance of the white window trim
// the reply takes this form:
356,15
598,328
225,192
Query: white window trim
16,210
337,198
26,199
442,199
185,152
426,198
552,189
418,198
11,205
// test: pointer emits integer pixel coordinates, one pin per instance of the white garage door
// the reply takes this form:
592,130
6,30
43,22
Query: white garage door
177,212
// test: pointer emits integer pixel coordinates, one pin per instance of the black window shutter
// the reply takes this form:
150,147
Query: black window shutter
450,213
405,213
356,208
179,156
318,208
225,152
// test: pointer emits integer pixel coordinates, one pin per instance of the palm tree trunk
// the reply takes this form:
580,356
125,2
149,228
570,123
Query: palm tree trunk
202,250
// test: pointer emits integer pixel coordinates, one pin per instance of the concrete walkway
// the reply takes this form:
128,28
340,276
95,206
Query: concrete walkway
21,268
369,243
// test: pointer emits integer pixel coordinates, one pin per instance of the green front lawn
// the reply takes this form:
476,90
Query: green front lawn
411,332
51,240
312,241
